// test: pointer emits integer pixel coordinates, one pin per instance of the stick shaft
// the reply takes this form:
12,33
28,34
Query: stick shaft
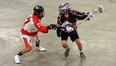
93,12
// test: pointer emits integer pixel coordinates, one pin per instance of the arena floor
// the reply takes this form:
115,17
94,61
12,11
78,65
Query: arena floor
97,35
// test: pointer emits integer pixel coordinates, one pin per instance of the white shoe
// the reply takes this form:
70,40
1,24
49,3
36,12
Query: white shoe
17,59
41,49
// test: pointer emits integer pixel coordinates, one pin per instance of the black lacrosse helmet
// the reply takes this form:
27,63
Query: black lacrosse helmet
38,9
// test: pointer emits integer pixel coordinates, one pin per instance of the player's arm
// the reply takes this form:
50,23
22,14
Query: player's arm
59,20
41,28
79,15
85,15
44,29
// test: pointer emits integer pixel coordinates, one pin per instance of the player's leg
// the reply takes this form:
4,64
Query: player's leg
79,44
38,46
74,37
64,37
27,42
65,46
80,48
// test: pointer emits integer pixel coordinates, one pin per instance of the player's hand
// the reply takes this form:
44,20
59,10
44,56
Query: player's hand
52,26
69,29
89,15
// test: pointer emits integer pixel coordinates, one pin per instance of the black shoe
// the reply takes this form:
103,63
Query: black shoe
67,52
82,55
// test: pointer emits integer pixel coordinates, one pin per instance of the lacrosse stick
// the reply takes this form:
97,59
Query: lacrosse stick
98,9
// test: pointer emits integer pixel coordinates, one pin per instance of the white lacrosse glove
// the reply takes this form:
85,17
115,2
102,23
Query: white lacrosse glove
89,16
69,29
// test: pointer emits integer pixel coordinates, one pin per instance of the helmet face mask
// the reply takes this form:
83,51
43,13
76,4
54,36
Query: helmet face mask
41,15
64,11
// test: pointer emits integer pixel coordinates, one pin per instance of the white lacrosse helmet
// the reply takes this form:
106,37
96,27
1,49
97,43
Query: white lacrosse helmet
64,6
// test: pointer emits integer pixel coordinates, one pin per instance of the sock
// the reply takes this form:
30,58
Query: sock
81,51
20,54
67,48
37,45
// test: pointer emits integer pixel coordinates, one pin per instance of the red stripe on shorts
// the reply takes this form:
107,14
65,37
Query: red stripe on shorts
26,42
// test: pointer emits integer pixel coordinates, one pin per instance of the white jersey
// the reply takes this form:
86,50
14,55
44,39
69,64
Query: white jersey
32,26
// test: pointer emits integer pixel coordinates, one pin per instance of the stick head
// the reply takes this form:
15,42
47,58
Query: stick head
100,8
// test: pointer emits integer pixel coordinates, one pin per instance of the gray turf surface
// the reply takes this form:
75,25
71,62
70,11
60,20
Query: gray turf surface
98,35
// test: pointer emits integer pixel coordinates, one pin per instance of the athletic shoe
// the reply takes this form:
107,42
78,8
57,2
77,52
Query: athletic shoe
82,55
17,59
40,49
67,52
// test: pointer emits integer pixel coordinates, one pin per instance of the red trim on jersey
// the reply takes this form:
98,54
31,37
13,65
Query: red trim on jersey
26,43
74,11
37,23
27,21
27,33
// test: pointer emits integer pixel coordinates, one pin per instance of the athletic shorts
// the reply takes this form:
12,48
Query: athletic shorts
73,35
29,40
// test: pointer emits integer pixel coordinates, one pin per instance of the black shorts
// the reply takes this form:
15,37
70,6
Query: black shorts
73,35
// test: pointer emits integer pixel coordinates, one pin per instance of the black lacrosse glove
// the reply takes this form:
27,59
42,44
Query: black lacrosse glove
52,26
